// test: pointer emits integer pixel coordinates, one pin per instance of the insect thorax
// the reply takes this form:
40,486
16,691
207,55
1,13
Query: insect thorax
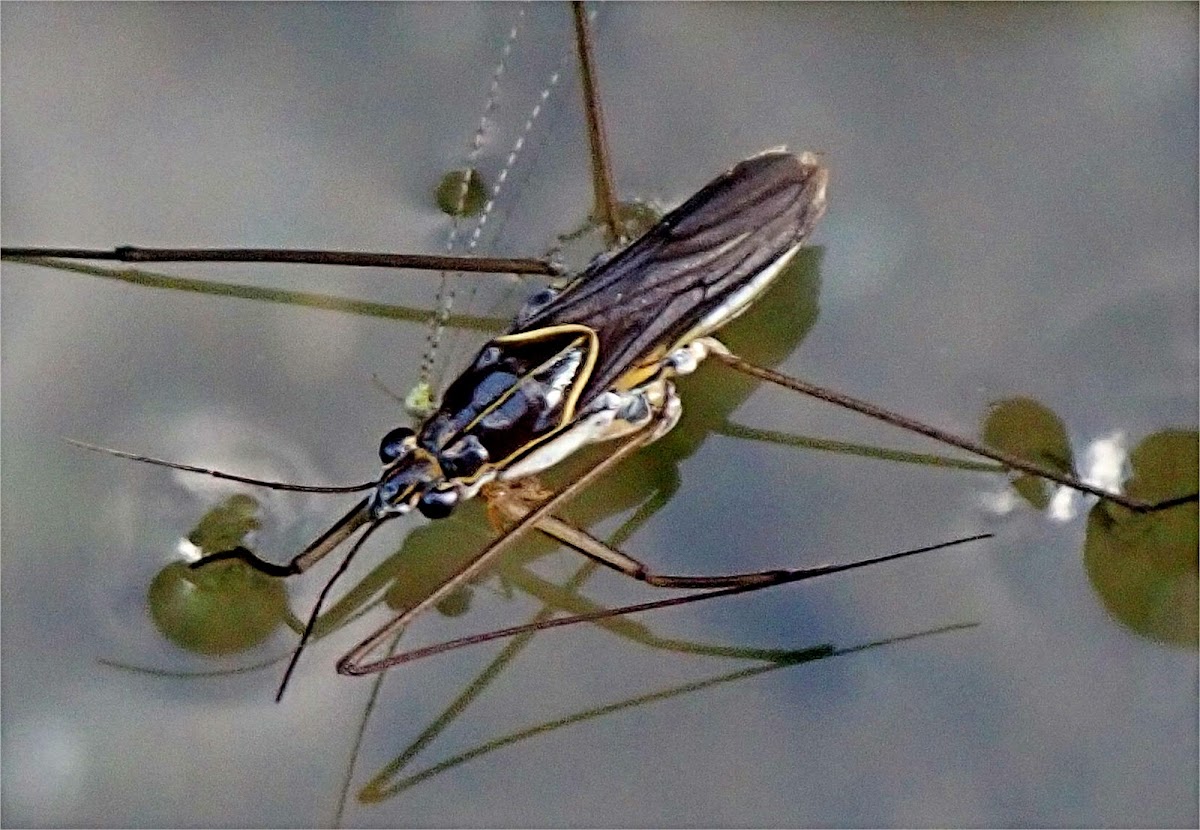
517,411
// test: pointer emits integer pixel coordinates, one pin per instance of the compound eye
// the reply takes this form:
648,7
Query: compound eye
437,504
392,445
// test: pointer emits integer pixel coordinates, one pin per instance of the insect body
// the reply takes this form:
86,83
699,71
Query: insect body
591,363
594,362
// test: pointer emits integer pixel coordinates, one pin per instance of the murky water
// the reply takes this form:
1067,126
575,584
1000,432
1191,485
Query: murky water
1012,212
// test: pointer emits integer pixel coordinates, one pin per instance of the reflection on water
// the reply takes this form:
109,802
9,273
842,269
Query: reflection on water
1031,172
1144,567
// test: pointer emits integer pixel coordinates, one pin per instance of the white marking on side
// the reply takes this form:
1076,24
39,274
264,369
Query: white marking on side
603,424
741,299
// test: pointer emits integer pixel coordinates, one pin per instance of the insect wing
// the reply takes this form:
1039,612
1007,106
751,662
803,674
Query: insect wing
697,268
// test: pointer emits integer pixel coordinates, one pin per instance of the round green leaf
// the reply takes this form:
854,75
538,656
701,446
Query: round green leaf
226,526
461,193
221,608
1144,565
1027,429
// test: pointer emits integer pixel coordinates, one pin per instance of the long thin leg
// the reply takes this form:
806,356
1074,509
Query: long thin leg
514,509
353,662
781,577
320,547
316,611
420,262
602,177
878,412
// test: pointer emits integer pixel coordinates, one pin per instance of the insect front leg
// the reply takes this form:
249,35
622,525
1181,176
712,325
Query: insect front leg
345,527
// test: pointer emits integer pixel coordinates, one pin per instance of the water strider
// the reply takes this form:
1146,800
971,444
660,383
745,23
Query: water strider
592,363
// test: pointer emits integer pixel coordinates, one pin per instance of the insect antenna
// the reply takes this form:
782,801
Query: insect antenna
316,611
256,482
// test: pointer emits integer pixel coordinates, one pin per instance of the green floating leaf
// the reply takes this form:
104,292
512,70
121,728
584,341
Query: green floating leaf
1144,565
223,607
1165,466
1027,429
461,193
226,526
421,401
578,247
635,218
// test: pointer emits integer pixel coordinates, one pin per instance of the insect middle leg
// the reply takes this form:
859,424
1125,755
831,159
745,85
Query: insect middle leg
664,414
356,661
513,501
